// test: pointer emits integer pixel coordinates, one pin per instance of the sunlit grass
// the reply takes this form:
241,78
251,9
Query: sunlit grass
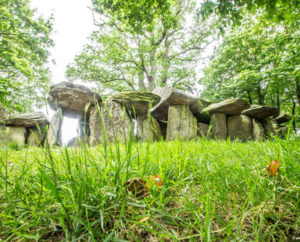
213,190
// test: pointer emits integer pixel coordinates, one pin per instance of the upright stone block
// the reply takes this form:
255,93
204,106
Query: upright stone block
239,126
271,127
55,128
115,121
36,136
148,128
13,134
258,131
218,125
202,130
181,123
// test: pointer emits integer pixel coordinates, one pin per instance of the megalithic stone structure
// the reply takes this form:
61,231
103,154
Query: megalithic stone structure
54,130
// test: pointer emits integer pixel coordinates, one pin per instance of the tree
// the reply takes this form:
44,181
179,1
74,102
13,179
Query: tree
139,14
259,61
24,40
119,58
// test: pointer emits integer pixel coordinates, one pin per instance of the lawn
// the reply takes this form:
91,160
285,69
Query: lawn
212,190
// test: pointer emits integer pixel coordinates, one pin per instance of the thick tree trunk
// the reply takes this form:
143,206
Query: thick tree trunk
141,83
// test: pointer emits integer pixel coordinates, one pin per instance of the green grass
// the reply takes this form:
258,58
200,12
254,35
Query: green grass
212,191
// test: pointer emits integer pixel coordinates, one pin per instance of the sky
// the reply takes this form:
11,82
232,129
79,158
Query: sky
73,23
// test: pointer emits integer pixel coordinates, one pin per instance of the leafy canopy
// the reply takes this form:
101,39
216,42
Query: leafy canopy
24,40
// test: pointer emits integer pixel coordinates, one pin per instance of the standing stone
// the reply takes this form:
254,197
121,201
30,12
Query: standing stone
36,136
271,127
181,123
13,134
239,126
148,129
283,131
202,129
258,131
115,121
54,129
218,125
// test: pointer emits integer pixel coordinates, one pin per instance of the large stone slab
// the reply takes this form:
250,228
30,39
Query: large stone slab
27,120
239,127
202,130
283,118
36,136
114,120
271,127
231,106
13,134
171,96
181,123
136,102
72,98
148,129
54,130
258,131
260,112
218,126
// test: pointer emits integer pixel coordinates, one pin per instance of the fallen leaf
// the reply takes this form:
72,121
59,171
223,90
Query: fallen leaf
273,168
155,181
137,186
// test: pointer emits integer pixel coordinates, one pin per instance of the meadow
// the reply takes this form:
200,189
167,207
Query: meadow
212,191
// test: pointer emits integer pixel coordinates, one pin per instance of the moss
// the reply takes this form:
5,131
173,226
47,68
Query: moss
138,97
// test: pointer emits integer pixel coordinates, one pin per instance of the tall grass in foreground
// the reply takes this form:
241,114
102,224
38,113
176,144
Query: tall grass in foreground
213,190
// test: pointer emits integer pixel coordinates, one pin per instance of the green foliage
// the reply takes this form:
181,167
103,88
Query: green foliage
212,190
258,61
24,40
119,58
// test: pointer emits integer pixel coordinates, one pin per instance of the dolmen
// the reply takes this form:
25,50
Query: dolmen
24,129
165,114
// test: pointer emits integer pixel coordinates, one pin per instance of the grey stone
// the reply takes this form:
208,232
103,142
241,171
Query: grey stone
36,136
231,106
258,131
283,131
271,127
148,129
77,141
27,120
202,130
171,96
54,130
283,118
136,102
115,121
218,126
74,99
260,112
239,127
181,123
13,134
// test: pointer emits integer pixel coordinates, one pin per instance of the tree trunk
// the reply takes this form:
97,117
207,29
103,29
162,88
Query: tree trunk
151,83
166,64
152,77
260,96
249,97
298,90
293,113
278,101
141,80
